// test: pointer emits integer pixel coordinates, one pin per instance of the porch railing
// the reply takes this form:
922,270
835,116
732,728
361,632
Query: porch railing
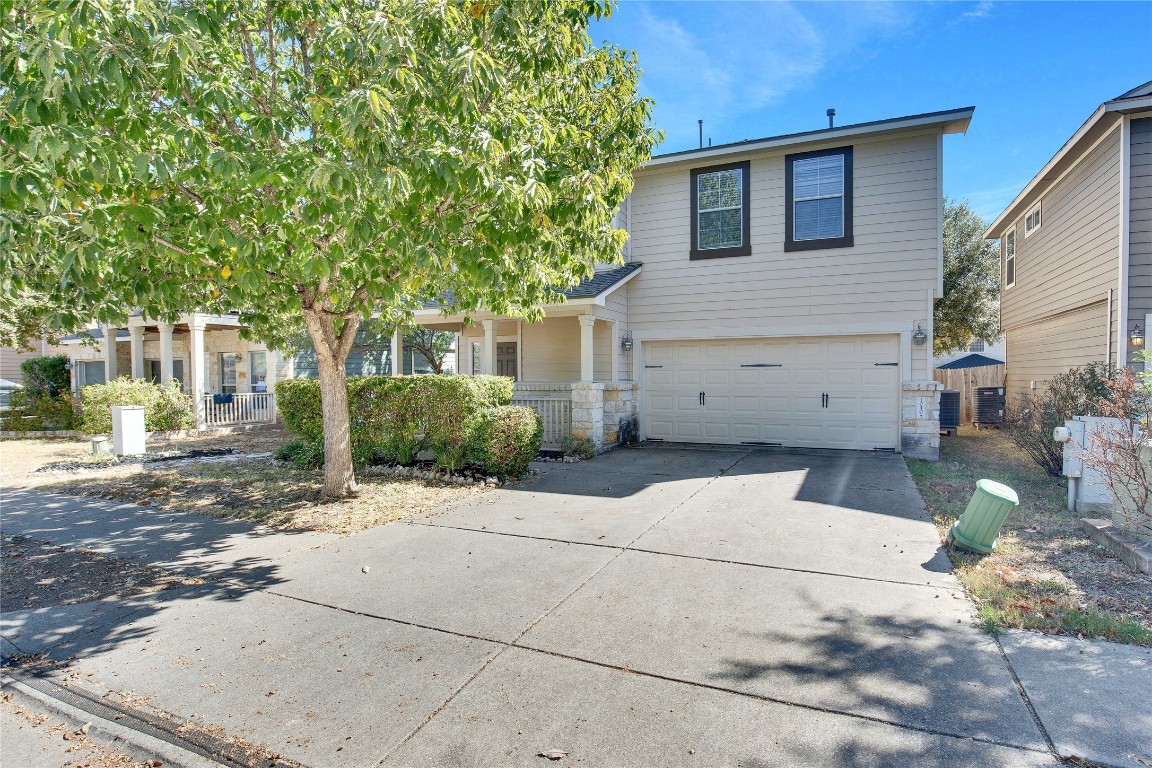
239,408
555,411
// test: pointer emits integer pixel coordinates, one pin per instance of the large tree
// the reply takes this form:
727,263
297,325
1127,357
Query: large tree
310,162
970,309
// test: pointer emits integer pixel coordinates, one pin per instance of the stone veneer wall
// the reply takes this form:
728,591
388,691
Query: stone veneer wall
620,420
603,412
920,419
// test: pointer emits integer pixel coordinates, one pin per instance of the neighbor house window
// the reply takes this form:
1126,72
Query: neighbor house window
1032,221
1010,259
818,200
228,362
720,201
976,346
91,372
258,371
475,357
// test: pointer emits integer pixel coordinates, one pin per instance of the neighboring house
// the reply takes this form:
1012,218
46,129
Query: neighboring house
775,291
11,358
996,351
231,379
1076,249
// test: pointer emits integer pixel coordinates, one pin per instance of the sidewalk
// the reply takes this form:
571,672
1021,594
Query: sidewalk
594,611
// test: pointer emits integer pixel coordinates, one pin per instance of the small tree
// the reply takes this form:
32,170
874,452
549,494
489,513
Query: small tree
970,308
309,163
434,346
46,376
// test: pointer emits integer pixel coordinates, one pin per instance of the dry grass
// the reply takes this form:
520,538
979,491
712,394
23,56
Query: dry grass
268,492
1045,574
19,459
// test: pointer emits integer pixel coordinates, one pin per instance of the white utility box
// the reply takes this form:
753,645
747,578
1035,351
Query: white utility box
1087,488
128,433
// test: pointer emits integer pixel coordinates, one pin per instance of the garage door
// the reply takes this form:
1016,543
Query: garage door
805,392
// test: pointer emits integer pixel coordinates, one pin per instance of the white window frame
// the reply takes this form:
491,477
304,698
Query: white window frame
700,211
1035,214
796,200
1010,237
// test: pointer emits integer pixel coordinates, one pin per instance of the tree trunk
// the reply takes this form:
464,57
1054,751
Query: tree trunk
331,354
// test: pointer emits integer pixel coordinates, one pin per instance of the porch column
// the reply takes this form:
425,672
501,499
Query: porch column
615,350
109,353
137,334
273,369
488,351
587,323
165,352
398,351
196,374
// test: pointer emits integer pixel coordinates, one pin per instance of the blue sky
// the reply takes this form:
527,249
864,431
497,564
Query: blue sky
1033,70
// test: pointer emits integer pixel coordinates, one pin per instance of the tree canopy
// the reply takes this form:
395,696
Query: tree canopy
309,162
970,309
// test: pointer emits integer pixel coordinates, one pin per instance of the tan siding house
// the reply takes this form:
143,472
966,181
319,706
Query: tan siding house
1076,250
776,291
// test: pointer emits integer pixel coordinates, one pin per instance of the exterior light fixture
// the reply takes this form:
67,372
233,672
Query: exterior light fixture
68,365
920,337
1137,336
626,341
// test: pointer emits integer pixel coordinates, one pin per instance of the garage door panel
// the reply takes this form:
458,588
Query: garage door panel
776,404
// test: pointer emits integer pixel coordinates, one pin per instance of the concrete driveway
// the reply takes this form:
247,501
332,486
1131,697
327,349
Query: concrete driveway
662,606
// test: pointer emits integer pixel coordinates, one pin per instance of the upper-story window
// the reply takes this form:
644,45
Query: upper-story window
818,199
1032,221
720,203
1010,259
976,346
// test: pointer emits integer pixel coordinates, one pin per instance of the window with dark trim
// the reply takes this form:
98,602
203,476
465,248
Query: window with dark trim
818,200
720,204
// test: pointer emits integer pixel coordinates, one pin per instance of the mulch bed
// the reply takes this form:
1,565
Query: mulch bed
147,458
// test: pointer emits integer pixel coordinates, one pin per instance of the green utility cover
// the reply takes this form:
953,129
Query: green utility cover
979,526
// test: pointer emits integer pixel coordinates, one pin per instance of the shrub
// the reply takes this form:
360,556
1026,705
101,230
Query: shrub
507,439
29,413
399,416
1032,418
302,454
46,376
165,406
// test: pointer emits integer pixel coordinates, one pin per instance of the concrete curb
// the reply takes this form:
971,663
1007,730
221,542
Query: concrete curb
110,735
1128,548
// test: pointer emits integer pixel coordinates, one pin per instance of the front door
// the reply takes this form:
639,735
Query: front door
506,360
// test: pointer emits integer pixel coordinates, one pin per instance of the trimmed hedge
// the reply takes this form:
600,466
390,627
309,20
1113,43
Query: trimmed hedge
397,417
507,439
46,376
29,413
165,406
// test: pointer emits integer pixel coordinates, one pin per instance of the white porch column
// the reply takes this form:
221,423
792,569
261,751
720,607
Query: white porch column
615,350
198,368
488,351
137,334
165,352
74,372
109,353
587,323
398,351
272,367
458,359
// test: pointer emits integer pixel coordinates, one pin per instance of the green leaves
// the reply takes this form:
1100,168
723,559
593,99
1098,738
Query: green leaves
970,309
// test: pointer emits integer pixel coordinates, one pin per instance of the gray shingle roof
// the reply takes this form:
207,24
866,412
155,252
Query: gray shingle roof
588,288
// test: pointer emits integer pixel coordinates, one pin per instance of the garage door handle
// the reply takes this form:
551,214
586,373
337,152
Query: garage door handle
893,365
824,400
761,365
653,366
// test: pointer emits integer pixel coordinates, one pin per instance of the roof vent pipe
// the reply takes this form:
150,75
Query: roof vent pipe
831,116
700,125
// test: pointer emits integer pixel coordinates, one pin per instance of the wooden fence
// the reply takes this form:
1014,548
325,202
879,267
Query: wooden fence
965,381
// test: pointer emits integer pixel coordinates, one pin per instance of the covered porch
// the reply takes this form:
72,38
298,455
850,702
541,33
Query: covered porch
574,367
231,379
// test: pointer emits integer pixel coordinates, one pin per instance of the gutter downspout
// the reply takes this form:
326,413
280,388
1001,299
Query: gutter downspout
1108,332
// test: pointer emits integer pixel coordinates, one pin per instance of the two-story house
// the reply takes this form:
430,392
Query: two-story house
775,291
1076,250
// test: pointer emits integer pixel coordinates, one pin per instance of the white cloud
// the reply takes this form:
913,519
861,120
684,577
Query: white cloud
982,10
724,60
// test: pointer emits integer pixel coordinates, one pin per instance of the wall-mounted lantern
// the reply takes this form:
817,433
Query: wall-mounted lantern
1137,336
626,341
920,337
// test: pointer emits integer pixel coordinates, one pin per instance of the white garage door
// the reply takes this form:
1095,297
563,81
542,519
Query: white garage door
806,392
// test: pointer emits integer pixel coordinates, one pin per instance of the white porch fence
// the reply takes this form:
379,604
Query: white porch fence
239,408
554,404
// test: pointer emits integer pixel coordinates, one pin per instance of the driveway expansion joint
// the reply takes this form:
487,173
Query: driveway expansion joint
1027,701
